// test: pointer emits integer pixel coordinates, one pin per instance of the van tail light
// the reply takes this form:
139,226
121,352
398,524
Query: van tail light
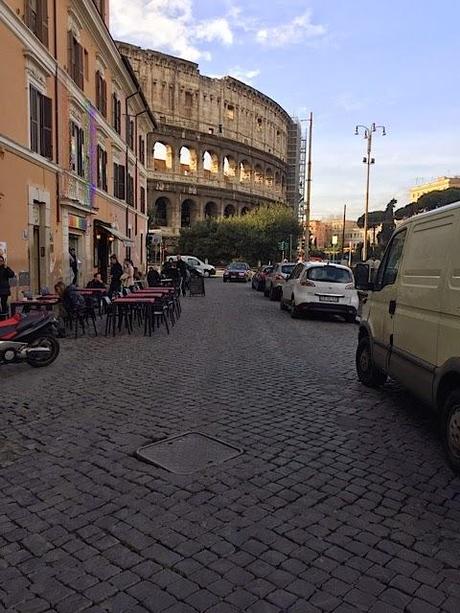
307,283
350,286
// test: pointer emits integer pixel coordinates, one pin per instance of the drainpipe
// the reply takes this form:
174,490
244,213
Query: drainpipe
127,154
56,112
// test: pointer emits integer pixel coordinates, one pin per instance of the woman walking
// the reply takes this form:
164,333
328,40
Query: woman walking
127,278
5,275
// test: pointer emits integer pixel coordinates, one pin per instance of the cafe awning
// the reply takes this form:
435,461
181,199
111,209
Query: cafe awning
128,242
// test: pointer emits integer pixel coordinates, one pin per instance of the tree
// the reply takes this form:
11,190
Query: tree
388,225
374,220
251,237
429,202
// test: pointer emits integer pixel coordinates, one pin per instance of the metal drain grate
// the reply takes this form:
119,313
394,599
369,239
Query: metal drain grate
188,453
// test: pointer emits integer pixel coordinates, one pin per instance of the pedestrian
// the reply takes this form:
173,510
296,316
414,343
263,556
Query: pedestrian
73,261
153,277
183,272
5,275
127,278
96,282
116,271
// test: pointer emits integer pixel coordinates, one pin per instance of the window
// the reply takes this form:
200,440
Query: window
101,168
188,100
77,142
36,18
130,133
329,274
41,131
287,269
130,190
116,113
119,181
141,153
230,112
142,199
101,93
388,271
259,124
75,60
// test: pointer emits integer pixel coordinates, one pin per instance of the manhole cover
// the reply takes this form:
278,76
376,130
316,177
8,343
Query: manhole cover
188,453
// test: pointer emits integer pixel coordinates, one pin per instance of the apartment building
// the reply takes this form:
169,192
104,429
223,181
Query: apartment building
73,133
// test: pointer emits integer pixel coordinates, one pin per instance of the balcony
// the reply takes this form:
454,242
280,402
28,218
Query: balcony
75,190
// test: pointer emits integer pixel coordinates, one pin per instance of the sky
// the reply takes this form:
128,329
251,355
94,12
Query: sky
349,62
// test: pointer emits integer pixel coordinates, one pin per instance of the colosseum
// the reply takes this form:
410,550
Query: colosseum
221,147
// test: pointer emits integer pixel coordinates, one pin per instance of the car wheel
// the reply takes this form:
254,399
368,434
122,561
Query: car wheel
294,309
206,274
283,305
274,295
225,280
266,292
350,318
368,373
451,429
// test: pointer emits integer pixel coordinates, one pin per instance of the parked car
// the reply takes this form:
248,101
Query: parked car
321,288
207,270
410,324
258,280
237,271
275,280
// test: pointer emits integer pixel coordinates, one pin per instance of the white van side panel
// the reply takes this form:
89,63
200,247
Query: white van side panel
421,287
449,328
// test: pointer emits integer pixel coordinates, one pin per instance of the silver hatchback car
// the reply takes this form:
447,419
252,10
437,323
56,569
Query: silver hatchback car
276,279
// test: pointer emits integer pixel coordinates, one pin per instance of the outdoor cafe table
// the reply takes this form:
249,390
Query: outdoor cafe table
128,301
48,304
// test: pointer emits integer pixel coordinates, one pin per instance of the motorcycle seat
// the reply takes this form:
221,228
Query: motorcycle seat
28,322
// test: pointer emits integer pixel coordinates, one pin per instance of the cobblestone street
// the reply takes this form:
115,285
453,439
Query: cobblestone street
341,501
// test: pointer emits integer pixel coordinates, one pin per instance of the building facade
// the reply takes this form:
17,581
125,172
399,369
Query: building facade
221,147
73,133
323,231
439,184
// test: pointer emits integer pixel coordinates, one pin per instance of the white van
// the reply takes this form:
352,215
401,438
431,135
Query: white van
410,327
205,269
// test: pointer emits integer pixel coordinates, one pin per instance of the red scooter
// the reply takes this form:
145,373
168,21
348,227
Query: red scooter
29,338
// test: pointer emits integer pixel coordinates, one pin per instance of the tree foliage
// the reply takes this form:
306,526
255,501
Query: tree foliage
251,237
374,219
429,202
388,224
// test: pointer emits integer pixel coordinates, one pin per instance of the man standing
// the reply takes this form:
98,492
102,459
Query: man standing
116,272
73,261
183,272
5,275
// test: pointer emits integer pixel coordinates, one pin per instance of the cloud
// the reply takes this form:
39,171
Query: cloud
296,31
348,102
247,76
168,25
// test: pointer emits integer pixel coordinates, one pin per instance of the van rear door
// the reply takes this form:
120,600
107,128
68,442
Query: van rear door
449,324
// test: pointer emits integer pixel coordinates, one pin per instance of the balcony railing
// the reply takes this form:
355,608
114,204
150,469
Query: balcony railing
76,189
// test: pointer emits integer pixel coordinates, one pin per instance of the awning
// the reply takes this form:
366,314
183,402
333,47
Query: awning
128,242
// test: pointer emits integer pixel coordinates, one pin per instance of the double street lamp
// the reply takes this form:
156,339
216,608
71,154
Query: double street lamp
369,160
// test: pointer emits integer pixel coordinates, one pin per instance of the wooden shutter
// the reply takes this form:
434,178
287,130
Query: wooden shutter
42,18
80,145
70,55
115,180
34,120
104,170
80,66
122,182
46,127
28,13
104,97
98,90
119,116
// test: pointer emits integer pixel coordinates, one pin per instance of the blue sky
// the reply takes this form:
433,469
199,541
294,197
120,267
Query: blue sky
348,61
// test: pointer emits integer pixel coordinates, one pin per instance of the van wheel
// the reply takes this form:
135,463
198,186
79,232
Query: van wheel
451,429
368,373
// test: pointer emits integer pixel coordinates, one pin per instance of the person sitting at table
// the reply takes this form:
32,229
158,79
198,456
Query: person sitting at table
72,303
96,282
153,277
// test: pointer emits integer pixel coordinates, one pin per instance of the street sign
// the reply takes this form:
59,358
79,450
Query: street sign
335,240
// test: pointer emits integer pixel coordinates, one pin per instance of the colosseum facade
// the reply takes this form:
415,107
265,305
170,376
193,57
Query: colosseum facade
221,147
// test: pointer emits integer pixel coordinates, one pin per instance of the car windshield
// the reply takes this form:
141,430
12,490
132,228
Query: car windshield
286,269
238,266
329,274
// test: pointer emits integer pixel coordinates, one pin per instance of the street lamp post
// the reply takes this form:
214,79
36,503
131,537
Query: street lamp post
369,160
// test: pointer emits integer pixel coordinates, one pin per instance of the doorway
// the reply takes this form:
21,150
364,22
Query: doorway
36,260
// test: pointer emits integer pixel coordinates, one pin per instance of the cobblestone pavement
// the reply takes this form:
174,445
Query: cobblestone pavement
341,501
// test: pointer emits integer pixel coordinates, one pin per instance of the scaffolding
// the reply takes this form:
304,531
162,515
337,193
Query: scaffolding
294,191
302,176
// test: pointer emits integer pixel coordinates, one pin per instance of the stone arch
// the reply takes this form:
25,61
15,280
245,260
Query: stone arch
245,210
245,171
269,177
210,163
211,211
277,180
162,212
188,159
162,157
189,213
230,167
229,211
258,174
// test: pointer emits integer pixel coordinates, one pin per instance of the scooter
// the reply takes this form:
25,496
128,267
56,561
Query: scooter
29,338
